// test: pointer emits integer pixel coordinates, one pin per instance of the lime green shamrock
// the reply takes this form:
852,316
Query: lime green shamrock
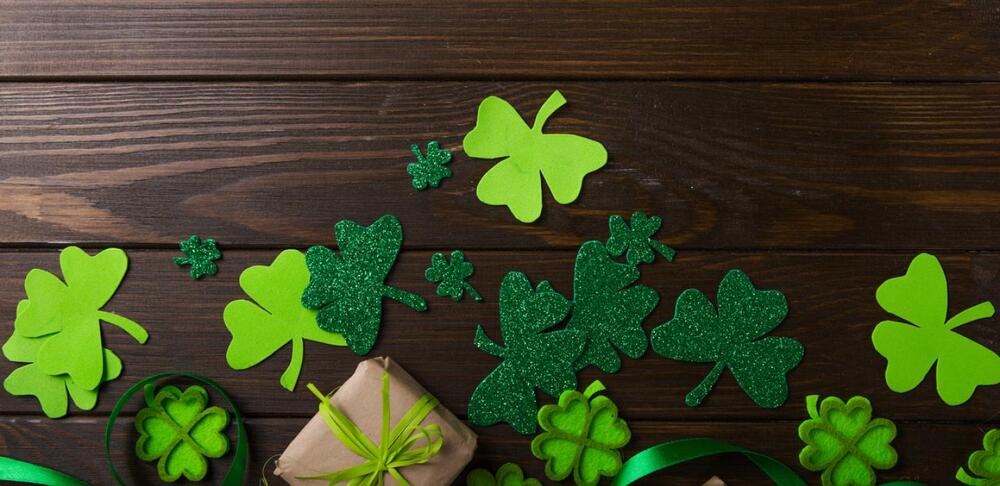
277,317
509,474
985,463
201,255
637,238
516,182
582,436
181,432
920,297
429,170
451,275
844,442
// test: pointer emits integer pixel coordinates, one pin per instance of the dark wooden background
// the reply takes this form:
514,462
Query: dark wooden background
818,145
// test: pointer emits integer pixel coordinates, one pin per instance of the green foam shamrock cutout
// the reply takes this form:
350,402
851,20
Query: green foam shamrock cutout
451,275
347,288
528,154
201,255
582,436
430,169
275,317
608,308
531,358
732,338
509,474
920,297
844,442
984,464
637,239
179,430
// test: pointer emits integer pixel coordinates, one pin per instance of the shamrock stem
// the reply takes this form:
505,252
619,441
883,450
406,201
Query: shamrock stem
555,101
974,313
291,374
664,250
472,292
131,327
414,301
699,393
484,343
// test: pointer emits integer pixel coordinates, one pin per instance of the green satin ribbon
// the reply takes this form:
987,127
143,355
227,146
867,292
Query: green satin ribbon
396,447
25,472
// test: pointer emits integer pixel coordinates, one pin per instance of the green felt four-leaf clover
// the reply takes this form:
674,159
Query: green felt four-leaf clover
637,239
509,474
844,442
984,465
429,170
450,275
201,255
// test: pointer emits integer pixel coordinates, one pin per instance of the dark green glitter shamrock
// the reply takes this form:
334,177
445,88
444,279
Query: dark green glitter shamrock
984,464
430,169
451,275
637,238
201,255
347,287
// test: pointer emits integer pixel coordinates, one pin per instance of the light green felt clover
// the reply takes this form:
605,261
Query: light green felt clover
582,435
528,154
844,442
637,239
509,474
920,297
984,464
201,255
429,170
451,275
179,430
275,317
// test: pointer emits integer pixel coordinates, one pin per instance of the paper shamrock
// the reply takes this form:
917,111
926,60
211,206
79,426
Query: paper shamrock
201,255
347,287
451,275
430,169
509,474
637,239
608,308
920,297
275,317
179,430
984,465
516,182
844,442
531,358
731,337
582,435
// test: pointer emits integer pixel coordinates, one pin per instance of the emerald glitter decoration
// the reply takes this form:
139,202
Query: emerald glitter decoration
509,474
347,287
201,255
844,442
429,170
451,274
637,239
983,464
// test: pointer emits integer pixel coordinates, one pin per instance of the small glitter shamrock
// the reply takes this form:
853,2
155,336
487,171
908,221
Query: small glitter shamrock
452,275
509,474
201,255
844,442
177,429
429,170
582,436
984,464
637,238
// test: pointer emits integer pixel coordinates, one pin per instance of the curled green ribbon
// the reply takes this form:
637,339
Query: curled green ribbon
396,447
17,471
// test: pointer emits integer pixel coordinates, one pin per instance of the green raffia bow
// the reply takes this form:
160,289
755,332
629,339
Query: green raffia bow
396,448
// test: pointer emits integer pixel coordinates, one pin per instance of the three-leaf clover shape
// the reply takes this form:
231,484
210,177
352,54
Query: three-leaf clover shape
844,442
430,169
347,287
509,474
201,255
731,337
531,357
984,464
275,317
637,239
528,154
920,297
179,430
582,435
451,275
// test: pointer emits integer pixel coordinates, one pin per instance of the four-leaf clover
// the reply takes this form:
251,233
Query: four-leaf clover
637,239
430,169
451,275
509,474
844,442
984,464
201,255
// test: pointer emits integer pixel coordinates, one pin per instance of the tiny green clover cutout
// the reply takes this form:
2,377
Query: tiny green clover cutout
201,255
637,239
179,430
582,435
984,465
451,276
429,170
844,442
509,474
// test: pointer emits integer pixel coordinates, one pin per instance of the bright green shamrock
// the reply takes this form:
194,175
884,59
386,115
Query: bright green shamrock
430,169
732,338
509,474
516,182
844,442
984,464
927,337
201,255
531,358
451,275
608,308
180,430
347,287
637,238
275,317
582,436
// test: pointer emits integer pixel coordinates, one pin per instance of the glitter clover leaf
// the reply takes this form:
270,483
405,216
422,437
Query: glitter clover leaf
451,275
732,339
509,474
201,255
429,170
984,464
637,239
844,442
179,430
347,287
582,436
531,358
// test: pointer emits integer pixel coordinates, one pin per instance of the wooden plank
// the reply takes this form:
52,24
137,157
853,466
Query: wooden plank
867,40
751,166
